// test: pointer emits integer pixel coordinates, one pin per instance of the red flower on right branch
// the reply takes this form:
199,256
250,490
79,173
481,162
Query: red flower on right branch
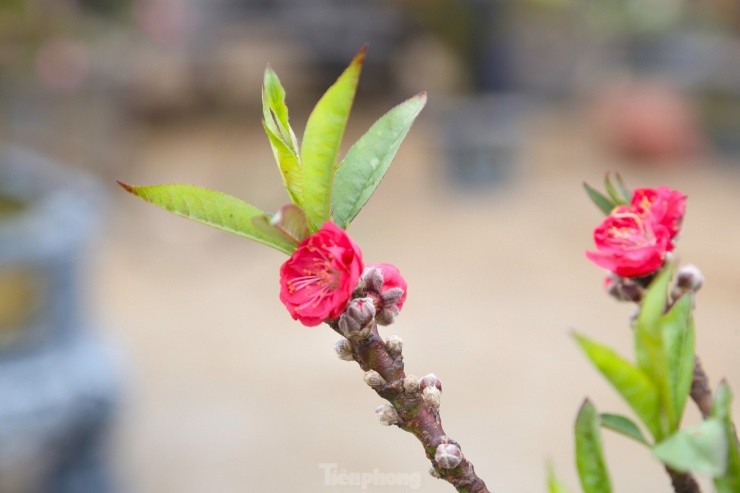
661,206
633,239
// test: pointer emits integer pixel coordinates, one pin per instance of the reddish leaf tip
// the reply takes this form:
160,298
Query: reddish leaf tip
360,56
125,186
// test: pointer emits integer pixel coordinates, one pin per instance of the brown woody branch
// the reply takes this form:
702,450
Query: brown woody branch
414,414
682,482
701,392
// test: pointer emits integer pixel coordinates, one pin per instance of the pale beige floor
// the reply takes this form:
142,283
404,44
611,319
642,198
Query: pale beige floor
227,394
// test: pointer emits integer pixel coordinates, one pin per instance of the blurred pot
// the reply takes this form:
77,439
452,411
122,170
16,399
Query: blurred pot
58,381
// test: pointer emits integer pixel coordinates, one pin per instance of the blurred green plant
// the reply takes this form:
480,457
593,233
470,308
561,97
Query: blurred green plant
656,387
320,186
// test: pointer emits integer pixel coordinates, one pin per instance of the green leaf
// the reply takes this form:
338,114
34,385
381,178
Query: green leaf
290,167
654,301
554,485
632,383
701,448
650,347
598,198
289,222
210,207
363,167
275,111
615,196
678,341
624,426
321,141
589,456
625,192
729,482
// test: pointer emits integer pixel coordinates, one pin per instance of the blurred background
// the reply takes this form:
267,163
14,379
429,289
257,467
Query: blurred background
143,353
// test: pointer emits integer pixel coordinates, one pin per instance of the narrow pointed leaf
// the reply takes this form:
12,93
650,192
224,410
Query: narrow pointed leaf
210,207
678,341
598,198
729,482
649,345
624,426
554,485
273,106
290,167
626,192
367,161
615,196
321,141
701,448
589,455
632,384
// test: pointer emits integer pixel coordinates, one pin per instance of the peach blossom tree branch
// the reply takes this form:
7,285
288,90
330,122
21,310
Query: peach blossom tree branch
412,403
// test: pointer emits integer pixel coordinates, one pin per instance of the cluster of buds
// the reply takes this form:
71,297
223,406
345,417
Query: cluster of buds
356,320
384,284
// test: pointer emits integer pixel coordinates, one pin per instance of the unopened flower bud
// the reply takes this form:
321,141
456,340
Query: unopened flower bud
372,278
448,455
430,380
689,278
387,414
373,379
343,349
411,384
394,344
391,296
357,316
387,316
431,396
623,289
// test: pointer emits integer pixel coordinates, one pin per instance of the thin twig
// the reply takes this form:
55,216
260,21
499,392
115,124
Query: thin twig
682,482
701,392
415,416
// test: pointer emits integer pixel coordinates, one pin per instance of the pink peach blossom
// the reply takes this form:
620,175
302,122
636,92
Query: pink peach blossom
317,281
628,244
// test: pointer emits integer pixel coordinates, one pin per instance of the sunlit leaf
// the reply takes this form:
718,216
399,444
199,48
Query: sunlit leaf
598,198
275,111
290,167
589,455
210,207
624,426
678,341
554,485
632,383
321,141
368,159
701,448
729,482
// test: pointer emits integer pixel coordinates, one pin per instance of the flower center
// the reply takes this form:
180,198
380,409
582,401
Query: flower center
320,278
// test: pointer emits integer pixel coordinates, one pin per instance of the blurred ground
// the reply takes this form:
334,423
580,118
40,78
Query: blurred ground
227,394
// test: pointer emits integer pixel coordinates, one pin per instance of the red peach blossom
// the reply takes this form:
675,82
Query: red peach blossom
317,281
663,206
629,245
